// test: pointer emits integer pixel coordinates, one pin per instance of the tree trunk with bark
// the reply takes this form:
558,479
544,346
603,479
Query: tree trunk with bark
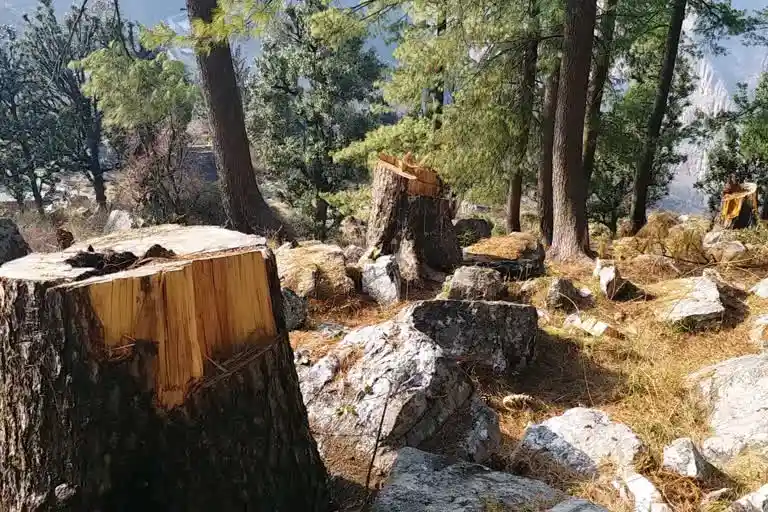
243,203
645,160
94,164
545,153
152,380
570,237
420,225
525,107
764,204
437,93
603,61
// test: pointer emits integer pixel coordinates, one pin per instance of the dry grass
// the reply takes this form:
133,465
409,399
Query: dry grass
40,232
510,246
639,381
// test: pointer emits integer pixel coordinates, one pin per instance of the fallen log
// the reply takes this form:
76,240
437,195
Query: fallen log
160,379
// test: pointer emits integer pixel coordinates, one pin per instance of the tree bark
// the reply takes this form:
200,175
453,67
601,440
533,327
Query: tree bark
97,173
603,60
242,200
570,237
645,160
437,93
545,153
421,224
87,424
525,106
764,207
321,217
514,198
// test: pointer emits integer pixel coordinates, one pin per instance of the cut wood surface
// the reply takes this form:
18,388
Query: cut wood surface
212,296
151,382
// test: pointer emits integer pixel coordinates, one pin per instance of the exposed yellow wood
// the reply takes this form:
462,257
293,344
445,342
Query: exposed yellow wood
196,310
422,181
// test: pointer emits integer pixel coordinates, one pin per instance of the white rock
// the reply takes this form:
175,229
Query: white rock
381,280
690,301
581,439
600,264
682,457
736,392
424,482
753,502
644,494
591,326
118,220
408,367
760,289
759,333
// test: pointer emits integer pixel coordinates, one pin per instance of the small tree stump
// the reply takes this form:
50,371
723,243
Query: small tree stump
409,211
163,382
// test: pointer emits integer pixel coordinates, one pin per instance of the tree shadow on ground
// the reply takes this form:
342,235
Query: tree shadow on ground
348,495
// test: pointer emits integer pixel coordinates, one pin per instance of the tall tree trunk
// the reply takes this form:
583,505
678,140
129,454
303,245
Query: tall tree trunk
321,217
514,198
94,165
645,161
525,106
545,153
764,207
570,237
37,195
243,203
603,59
437,94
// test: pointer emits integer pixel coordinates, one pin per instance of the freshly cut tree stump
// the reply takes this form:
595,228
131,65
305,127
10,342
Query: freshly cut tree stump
160,379
410,215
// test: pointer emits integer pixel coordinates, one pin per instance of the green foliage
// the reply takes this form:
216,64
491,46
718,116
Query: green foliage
623,132
308,100
350,202
135,93
742,151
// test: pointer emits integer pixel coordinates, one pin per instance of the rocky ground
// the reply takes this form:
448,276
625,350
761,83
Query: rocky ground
639,384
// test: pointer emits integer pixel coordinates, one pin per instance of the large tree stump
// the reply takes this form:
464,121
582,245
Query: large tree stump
163,382
409,214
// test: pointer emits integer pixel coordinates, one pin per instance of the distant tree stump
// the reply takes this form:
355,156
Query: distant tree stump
410,212
157,383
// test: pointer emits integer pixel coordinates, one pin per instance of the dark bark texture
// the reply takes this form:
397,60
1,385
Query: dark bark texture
245,207
80,429
603,61
570,238
645,162
420,222
525,107
549,113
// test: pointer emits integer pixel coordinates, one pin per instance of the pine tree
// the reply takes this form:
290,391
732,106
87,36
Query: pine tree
309,99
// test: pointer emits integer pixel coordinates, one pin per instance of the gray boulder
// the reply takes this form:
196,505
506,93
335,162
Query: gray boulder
581,439
407,371
12,244
118,220
382,281
475,283
760,289
682,457
470,231
424,482
692,302
736,393
562,294
753,502
295,309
